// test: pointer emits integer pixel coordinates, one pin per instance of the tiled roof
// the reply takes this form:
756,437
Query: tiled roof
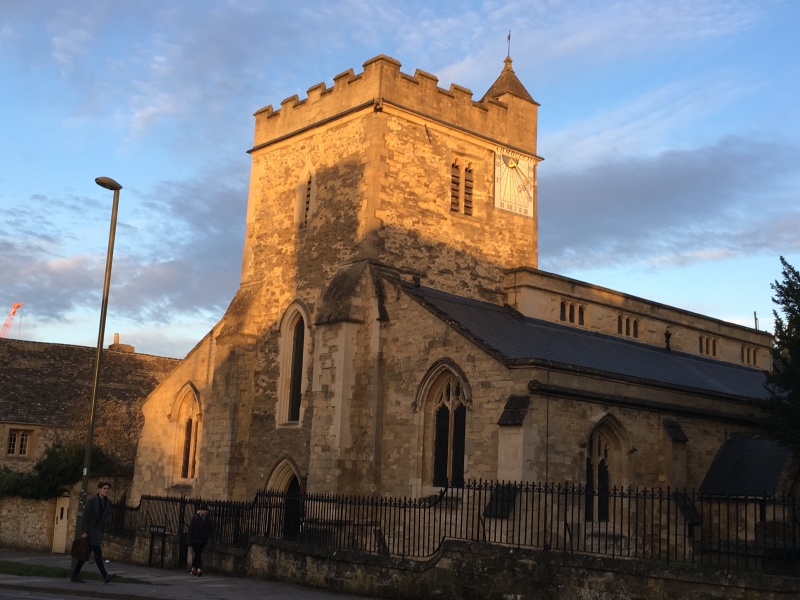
40,381
516,339
747,466
508,83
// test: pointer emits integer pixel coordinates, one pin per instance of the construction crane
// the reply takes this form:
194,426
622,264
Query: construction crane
7,325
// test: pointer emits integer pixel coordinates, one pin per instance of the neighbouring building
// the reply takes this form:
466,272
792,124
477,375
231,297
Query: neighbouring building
45,393
392,331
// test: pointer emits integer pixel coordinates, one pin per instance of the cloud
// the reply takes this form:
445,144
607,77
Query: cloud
179,255
677,207
643,126
551,36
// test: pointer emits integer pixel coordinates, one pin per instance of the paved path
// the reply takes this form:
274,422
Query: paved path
164,584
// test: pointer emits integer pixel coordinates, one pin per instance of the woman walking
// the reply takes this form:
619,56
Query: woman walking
200,529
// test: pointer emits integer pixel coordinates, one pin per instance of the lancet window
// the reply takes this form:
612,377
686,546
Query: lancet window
450,428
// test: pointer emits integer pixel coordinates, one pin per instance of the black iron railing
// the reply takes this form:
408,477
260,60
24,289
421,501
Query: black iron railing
730,532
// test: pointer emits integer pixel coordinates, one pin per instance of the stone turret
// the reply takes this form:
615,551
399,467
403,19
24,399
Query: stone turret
507,83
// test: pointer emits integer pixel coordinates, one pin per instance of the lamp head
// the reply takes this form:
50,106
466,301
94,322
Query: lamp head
108,183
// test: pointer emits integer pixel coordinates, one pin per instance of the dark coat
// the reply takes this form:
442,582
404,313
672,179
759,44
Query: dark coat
200,529
95,519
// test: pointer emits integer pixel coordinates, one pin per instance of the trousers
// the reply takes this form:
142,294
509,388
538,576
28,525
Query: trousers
197,561
98,559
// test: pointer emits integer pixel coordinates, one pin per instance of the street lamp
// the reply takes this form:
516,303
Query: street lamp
109,184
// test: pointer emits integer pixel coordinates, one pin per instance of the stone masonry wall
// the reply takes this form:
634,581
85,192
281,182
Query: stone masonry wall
154,468
26,524
539,294
465,571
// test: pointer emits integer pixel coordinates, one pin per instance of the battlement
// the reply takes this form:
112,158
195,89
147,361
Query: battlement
509,120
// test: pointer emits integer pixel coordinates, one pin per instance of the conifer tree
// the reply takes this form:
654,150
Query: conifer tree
780,416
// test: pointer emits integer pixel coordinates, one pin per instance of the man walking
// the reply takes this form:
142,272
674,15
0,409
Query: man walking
95,517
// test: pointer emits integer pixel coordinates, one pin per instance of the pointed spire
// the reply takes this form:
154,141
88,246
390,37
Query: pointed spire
508,83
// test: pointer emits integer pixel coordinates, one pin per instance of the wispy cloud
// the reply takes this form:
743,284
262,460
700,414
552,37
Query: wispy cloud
675,208
178,257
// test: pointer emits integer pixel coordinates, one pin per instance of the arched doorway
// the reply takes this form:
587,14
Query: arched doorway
292,510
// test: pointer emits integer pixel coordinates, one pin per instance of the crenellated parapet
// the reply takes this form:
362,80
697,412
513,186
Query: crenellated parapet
382,86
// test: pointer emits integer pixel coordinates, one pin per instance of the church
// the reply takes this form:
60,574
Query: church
392,333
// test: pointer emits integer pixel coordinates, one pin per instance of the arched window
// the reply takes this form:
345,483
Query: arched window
713,347
580,315
450,430
571,313
443,401
563,314
306,196
701,345
468,185
707,346
307,207
187,417
605,466
294,350
755,356
635,328
619,324
295,385
455,187
627,327
748,356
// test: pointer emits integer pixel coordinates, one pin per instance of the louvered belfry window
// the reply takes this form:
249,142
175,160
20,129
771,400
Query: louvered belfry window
308,201
455,188
468,185
450,434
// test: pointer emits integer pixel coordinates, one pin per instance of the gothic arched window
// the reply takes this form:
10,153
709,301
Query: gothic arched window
296,381
307,207
294,350
187,417
306,196
450,429
605,466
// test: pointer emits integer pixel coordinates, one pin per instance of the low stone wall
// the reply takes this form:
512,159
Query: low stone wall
143,549
464,570
468,571
27,524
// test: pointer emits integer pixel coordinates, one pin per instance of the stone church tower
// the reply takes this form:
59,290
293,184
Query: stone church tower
389,221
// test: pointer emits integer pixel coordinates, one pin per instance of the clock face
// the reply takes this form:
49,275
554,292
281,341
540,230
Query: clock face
514,182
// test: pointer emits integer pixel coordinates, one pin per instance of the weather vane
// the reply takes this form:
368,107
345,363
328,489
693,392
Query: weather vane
509,43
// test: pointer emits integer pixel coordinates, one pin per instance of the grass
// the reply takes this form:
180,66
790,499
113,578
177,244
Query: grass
8,567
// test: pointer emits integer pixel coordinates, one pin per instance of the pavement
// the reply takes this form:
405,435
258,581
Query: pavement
160,583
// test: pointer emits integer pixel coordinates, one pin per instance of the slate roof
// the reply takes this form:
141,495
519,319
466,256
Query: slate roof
40,381
674,430
746,466
515,410
517,340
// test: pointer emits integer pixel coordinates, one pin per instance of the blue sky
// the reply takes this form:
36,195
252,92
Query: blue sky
669,129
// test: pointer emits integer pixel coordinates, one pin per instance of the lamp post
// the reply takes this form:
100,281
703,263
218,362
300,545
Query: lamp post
109,184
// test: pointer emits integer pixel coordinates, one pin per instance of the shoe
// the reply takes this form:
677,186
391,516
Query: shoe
193,572
77,580
108,578
199,573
